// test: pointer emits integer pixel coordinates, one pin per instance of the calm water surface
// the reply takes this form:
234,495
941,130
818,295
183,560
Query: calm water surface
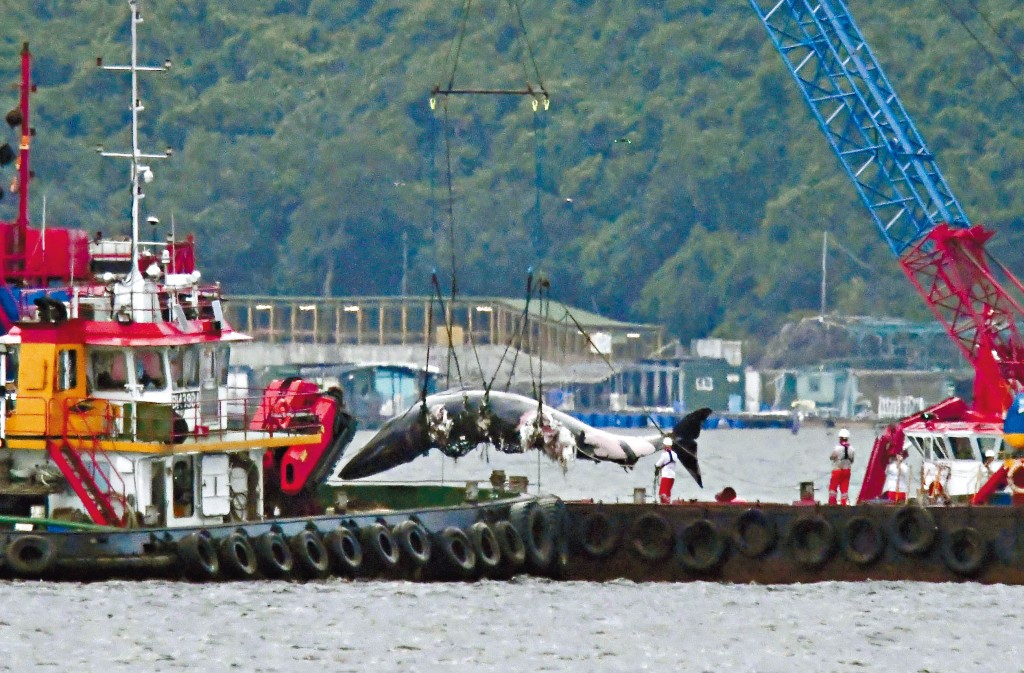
530,624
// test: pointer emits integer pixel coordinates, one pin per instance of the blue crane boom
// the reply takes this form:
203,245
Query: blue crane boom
864,120
976,299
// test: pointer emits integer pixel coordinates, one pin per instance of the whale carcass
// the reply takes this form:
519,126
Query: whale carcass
457,422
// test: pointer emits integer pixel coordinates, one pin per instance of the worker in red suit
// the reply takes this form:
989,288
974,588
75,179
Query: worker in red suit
665,468
842,461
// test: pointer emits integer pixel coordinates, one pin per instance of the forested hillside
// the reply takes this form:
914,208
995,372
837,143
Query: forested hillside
682,180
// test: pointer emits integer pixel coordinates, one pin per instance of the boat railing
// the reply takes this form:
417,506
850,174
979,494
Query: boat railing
83,420
172,299
78,417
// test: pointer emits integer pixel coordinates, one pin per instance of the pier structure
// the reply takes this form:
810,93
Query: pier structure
553,331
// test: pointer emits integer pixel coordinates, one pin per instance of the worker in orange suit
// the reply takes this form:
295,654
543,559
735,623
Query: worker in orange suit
842,462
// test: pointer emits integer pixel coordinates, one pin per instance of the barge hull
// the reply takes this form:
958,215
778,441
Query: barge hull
781,544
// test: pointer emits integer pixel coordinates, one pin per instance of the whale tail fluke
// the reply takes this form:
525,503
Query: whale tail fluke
684,441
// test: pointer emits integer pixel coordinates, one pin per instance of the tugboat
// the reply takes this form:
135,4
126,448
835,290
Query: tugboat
123,453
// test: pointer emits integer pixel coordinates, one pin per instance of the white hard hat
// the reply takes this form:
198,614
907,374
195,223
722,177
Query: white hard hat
666,442
844,434
990,454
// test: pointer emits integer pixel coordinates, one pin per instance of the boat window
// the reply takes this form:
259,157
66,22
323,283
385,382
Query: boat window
185,367
963,448
398,391
939,449
988,444
109,369
12,364
150,371
917,444
207,367
221,364
67,369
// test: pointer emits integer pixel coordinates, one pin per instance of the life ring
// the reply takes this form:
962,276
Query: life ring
310,554
413,541
30,555
538,532
456,558
598,534
237,556
274,555
863,540
912,530
702,546
199,556
1015,488
486,546
811,541
345,551
513,550
964,551
754,534
651,538
380,550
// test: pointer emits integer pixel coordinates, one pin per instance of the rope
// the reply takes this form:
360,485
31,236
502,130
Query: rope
435,224
544,297
511,339
430,339
539,94
977,40
988,22
456,46
608,362
452,355
524,324
451,196
521,25
539,141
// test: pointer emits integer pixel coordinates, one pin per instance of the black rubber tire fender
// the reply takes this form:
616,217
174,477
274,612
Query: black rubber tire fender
863,540
486,547
538,532
456,558
198,555
558,516
754,534
651,537
345,552
811,541
513,550
912,530
273,555
965,551
311,558
237,557
30,555
380,551
599,534
414,542
702,546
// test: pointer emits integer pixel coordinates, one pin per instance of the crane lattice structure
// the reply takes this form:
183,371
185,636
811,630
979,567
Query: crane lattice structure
976,299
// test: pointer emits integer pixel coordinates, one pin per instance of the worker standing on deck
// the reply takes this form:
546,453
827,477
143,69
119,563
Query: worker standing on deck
897,478
665,467
842,461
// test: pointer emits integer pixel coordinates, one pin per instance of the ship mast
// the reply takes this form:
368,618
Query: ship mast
24,172
140,172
